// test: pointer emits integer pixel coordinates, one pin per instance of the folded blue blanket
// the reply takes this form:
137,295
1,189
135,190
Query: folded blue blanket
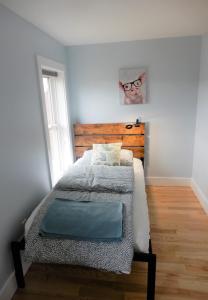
91,221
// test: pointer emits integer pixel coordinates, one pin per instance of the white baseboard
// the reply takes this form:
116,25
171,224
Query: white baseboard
168,181
200,195
10,286
180,181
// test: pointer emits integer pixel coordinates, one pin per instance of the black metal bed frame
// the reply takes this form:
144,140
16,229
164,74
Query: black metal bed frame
150,258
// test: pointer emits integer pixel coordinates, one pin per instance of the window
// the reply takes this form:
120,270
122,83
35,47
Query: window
55,113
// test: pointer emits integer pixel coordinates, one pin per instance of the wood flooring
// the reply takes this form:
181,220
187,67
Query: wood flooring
179,229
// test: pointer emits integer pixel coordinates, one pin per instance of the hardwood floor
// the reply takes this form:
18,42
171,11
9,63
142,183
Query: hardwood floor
180,239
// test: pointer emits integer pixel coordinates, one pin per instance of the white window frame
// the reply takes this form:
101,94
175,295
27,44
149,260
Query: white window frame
45,63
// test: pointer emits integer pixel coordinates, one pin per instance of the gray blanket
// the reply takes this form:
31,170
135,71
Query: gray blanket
103,184
98,179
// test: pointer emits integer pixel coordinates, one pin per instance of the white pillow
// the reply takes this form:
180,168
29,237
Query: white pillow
107,147
106,157
126,157
106,154
85,159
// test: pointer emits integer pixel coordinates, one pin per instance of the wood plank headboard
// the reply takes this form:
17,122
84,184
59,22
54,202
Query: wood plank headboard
85,135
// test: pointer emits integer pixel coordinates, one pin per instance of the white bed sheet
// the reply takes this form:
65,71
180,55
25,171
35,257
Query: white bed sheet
140,216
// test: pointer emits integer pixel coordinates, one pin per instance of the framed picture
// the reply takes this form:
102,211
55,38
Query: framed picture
133,85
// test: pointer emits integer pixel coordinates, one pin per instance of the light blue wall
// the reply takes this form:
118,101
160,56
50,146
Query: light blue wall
23,165
200,167
173,68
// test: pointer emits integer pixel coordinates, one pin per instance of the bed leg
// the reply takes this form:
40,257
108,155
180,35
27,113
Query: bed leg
151,277
16,247
150,246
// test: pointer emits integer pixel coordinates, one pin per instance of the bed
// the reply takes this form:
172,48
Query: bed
132,138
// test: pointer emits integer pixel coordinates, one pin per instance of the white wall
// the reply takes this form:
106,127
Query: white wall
23,166
173,68
200,166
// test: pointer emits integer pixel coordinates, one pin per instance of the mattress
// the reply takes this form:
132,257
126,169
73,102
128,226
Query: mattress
140,216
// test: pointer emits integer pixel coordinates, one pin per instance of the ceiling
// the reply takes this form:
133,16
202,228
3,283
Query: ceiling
77,22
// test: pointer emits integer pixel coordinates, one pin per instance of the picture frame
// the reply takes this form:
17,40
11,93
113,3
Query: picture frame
133,85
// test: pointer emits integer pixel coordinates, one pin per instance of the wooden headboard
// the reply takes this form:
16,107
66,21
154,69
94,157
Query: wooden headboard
85,135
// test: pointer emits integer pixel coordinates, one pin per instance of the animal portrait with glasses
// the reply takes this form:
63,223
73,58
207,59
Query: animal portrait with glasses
133,92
